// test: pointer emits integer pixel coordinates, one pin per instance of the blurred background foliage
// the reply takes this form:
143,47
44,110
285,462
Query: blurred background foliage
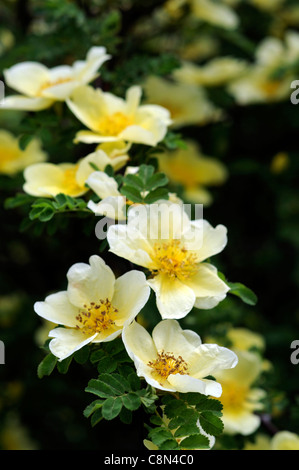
259,204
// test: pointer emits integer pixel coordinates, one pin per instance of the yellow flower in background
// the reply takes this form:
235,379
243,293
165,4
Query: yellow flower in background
162,238
13,159
201,48
94,308
280,162
267,5
112,119
215,13
244,339
210,11
260,84
40,87
240,398
216,72
176,360
187,104
194,171
7,40
285,440
282,440
49,179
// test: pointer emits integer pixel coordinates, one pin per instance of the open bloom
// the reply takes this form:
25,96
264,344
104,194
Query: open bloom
175,360
40,87
13,159
188,104
240,398
94,308
193,170
49,179
215,13
260,83
111,118
216,72
162,238
282,440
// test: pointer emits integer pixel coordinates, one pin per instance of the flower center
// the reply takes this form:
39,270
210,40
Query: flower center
233,397
114,124
270,87
49,84
167,363
70,184
96,318
8,155
174,260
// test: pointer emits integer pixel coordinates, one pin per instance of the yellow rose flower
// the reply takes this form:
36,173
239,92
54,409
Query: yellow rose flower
162,238
215,13
112,119
240,399
49,179
187,104
258,84
94,308
175,360
282,440
193,170
13,159
216,72
40,87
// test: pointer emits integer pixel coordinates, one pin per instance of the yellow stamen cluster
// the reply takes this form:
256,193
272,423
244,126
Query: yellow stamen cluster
113,124
174,260
96,318
167,363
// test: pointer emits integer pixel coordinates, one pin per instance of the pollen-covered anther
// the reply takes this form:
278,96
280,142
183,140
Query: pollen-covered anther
167,363
174,260
96,317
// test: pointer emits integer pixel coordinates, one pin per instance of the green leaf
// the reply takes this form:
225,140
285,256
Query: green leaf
197,441
96,417
107,364
155,181
131,401
63,366
186,430
47,365
246,294
125,415
81,356
111,408
145,172
25,140
134,180
211,423
131,193
19,200
92,407
160,435
153,196
108,385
